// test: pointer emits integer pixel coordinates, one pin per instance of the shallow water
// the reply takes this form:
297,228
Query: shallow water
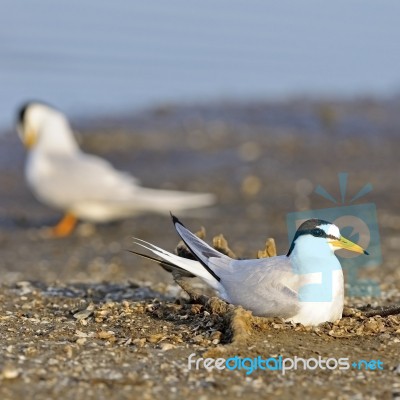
101,57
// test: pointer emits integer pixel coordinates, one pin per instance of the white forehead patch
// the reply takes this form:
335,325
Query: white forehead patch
331,230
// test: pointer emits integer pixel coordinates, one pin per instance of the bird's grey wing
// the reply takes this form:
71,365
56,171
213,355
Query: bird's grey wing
71,179
266,286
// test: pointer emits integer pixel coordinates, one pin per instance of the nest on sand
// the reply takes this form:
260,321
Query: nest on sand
242,323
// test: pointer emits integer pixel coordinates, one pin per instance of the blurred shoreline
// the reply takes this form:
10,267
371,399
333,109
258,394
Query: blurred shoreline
347,116
257,157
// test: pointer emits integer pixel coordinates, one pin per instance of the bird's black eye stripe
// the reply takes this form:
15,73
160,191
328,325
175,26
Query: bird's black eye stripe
318,232
332,237
321,233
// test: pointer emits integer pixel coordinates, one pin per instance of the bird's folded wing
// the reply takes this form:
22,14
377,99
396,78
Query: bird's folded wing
267,286
86,177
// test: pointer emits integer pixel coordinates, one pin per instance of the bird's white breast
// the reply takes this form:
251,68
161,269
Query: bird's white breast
316,312
36,169
321,289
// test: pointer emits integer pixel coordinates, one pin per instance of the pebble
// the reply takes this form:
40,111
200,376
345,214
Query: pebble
83,314
167,346
10,372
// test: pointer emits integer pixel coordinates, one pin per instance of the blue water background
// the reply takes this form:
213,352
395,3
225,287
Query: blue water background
100,57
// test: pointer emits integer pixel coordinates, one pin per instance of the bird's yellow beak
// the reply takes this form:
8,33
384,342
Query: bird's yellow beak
29,138
347,244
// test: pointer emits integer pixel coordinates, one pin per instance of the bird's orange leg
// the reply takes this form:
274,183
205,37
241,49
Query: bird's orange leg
65,226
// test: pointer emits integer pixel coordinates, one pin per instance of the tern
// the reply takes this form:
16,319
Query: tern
81,185
304,286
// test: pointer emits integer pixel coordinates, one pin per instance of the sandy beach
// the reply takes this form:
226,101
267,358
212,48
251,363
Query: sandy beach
83,316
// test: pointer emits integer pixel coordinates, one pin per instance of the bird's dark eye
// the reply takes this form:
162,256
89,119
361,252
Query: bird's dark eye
318,232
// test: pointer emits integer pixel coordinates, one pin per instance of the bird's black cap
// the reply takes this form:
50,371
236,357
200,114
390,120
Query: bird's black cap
310,227
22,112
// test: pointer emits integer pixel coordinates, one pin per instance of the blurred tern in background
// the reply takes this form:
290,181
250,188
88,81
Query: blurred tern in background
288,286
85,186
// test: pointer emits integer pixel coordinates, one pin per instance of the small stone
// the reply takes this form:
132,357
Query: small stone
69,351
216,335
373,326
84,313
105,334
25,287
167,346
10,372
198,339
156,338
139,342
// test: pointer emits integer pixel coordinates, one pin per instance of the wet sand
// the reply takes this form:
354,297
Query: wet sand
262,160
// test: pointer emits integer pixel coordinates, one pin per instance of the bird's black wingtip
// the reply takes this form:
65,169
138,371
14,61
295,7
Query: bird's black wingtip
366,253
175,219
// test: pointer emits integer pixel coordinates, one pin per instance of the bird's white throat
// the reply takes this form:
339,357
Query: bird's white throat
311,249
